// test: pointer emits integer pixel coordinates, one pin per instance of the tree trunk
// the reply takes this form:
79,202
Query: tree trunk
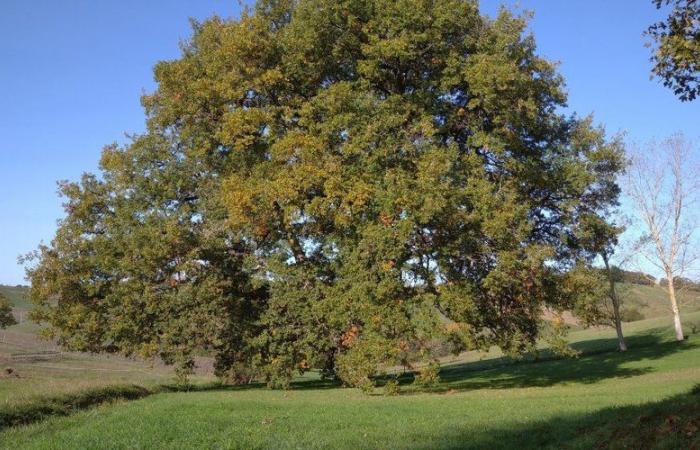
674,307
618,327
617,320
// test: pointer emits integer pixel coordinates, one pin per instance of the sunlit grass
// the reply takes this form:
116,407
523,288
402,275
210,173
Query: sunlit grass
574,403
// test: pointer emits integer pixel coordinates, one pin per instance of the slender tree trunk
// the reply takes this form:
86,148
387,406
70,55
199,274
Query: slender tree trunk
674,307
616,308
618,325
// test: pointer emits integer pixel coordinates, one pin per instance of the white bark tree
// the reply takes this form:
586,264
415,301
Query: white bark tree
663,183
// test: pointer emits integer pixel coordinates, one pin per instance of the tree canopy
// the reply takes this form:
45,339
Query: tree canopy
676,47
324,183
6,317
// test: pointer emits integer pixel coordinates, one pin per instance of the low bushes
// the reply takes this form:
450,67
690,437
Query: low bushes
631,315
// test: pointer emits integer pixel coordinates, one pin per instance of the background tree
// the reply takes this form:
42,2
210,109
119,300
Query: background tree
6,317
600,238
321,184
663,184
676,47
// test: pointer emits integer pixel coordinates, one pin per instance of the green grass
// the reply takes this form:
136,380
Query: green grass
16,295
71,372
652,301
61,405
602,399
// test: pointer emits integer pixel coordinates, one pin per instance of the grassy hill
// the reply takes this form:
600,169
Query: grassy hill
16,295
652,301
604,399
40,368
636,399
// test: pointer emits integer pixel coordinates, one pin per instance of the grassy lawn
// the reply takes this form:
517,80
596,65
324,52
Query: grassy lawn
601,399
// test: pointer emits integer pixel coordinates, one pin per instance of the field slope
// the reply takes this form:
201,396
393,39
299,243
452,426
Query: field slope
16,295
40,368
652,301
602,399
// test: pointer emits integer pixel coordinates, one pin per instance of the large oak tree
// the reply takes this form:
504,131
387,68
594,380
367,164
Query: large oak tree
324,183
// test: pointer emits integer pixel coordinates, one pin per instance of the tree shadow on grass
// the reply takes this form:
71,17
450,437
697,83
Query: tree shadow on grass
599,360
299,385
505,373
670,423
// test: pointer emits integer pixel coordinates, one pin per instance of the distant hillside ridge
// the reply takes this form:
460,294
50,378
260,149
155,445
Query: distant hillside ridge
652,301
17,295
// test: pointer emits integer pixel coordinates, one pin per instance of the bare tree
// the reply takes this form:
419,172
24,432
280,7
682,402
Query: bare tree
663,185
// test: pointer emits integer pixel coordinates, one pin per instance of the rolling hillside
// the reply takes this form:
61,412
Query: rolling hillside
41,368
604,399
652,301
16,295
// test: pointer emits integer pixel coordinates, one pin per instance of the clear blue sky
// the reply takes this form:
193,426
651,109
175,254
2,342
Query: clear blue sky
71,73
